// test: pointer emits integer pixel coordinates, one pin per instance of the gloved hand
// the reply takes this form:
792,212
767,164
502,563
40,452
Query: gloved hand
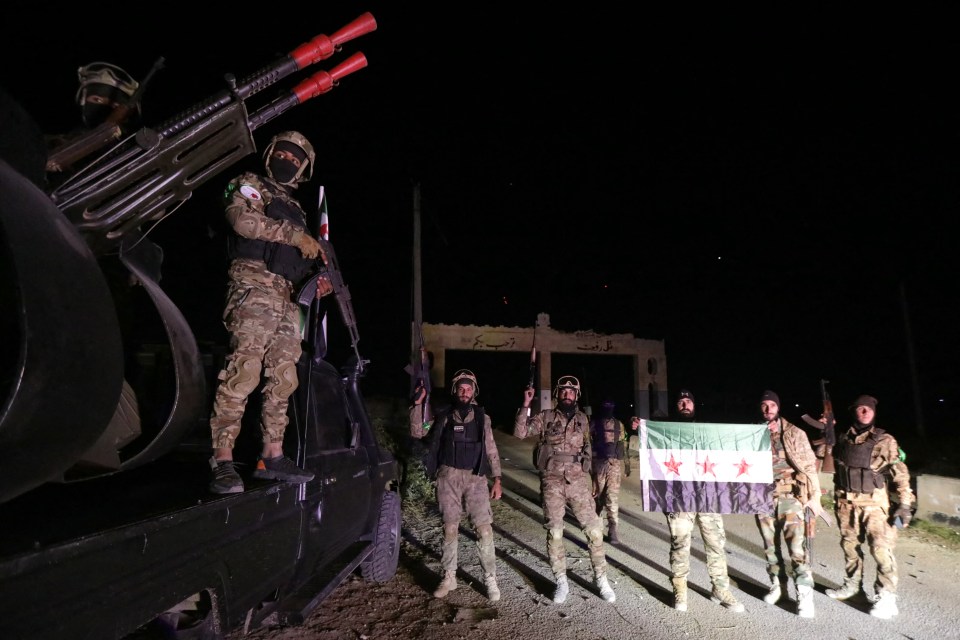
309,247
904,513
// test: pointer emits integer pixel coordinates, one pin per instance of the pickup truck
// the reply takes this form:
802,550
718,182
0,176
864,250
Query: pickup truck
108,529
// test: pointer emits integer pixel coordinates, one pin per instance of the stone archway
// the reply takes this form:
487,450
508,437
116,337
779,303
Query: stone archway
649,356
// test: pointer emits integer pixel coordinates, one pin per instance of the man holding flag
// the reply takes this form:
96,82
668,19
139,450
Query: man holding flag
714,537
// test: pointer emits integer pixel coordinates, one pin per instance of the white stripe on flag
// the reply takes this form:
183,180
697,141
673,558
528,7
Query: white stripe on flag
697,457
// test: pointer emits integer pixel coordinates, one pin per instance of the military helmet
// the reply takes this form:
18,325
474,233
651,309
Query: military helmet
462,376
567,382
295,138
106,74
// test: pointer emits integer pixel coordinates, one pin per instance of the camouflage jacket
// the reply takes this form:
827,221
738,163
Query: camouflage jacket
801,457
246,198
568,440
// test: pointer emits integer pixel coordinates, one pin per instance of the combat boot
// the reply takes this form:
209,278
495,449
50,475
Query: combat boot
775,592
847,591
612,533
493,590
679,593
885,607
606,591
562,591
449,584
805,601
724,598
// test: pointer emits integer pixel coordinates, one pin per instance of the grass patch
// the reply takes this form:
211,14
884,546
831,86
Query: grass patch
933,533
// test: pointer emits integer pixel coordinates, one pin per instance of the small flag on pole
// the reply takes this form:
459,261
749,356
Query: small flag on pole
324,233
705,467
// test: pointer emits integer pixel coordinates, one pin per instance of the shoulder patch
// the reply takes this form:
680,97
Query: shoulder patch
250,192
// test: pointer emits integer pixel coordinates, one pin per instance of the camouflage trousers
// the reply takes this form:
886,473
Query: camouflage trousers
608,474
786,521
870,522
557,492
264,328
714,539
458,489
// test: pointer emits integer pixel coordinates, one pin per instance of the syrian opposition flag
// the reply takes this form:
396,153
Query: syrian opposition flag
705,467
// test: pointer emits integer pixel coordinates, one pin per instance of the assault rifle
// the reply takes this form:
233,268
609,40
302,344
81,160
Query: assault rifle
420,377
532,384
149,172
308,292
827,424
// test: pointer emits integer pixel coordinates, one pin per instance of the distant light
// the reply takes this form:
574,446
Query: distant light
505,300
719,257
940,400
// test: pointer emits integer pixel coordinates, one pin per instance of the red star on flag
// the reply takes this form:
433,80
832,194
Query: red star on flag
743,467
708,467
672,464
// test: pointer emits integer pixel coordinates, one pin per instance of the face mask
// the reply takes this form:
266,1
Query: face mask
283,171
95,114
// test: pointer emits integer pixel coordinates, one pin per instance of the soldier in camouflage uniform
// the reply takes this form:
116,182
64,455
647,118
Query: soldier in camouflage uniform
564,459
272,253
609,444
461,454
797,488
711,531
866,458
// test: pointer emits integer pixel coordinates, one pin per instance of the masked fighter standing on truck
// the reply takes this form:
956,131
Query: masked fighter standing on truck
564,460
272,253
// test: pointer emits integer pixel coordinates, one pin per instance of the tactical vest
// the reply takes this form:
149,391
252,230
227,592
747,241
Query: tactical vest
282,259
599,430
856,475
459,444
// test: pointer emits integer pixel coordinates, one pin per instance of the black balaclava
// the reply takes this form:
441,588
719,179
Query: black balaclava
284,171
94,114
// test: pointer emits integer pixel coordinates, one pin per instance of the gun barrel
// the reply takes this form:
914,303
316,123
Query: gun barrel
319,83
322,47
319,48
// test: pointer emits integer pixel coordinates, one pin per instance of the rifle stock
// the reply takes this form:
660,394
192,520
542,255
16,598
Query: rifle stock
147,173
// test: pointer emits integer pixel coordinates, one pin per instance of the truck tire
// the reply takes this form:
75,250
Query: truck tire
381,564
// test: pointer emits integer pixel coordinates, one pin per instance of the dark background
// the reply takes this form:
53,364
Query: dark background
774,202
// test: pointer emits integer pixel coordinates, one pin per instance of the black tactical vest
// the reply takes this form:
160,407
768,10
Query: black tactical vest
856,474
458,444
282,259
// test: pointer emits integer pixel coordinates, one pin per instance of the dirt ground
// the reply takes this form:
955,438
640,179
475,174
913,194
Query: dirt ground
639,572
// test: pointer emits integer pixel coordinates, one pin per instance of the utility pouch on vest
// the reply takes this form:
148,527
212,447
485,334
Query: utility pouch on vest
541,456
586,462
620,450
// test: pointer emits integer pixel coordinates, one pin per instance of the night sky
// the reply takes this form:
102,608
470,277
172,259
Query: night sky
777,207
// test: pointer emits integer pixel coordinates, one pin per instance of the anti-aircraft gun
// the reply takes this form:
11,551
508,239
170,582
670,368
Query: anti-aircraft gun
110,534
68,365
